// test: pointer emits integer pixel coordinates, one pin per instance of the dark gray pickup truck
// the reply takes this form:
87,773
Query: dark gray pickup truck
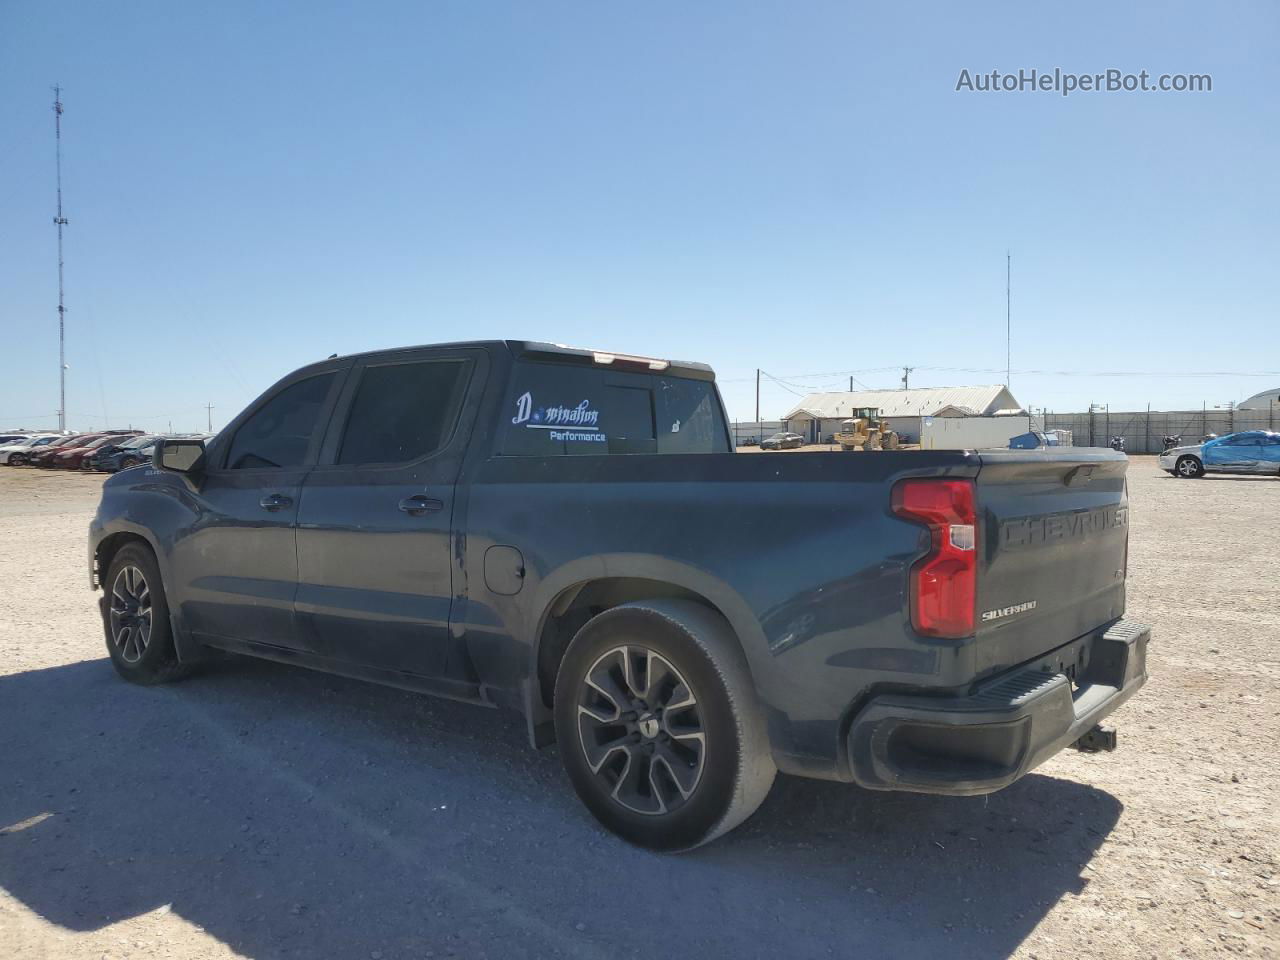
569,533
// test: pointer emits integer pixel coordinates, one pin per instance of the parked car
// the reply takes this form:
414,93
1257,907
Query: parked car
1251,451
72,457
560,532
8,438
24,454
45,458
24,444
782,441
111,457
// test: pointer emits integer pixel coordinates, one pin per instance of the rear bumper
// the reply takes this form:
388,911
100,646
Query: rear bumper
986,740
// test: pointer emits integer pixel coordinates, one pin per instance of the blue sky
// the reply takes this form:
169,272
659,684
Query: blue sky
792,186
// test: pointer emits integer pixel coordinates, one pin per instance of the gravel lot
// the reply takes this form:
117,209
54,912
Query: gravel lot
262,811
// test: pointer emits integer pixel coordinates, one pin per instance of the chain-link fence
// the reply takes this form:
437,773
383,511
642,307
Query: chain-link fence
747,433
1144,431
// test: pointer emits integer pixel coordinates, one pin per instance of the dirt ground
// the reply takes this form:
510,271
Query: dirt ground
263,811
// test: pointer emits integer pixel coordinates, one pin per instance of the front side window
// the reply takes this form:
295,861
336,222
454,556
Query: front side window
279,433
403,411
564,410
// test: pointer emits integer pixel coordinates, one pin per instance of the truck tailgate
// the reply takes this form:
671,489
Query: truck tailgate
1053,545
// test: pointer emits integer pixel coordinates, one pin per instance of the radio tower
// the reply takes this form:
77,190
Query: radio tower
60,221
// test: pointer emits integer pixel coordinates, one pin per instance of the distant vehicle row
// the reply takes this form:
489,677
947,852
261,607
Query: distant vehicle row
107,451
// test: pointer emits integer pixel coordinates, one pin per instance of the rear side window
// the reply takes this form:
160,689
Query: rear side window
280,432
690,419
562,410
403,411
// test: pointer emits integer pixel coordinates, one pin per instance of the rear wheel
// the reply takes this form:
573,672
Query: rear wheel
135,618
1189,467
658,724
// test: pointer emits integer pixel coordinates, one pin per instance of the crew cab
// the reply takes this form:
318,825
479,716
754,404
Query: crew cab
569,534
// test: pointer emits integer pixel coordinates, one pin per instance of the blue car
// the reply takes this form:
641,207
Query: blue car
1251,451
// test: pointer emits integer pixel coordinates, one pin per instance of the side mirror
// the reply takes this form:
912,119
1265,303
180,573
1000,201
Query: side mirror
179,455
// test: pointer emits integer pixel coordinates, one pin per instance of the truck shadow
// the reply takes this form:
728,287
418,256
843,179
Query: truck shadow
293,814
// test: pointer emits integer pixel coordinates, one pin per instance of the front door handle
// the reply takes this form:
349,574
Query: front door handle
275,501
416,506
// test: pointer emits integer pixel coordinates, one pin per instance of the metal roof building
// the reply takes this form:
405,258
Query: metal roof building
820,414
921,402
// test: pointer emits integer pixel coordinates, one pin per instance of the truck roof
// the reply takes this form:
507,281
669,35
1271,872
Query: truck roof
535,349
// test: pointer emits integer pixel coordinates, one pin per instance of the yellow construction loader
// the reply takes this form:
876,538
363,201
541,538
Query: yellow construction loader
866,430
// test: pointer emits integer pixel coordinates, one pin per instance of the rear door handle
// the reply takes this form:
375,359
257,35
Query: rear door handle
417,505
275,501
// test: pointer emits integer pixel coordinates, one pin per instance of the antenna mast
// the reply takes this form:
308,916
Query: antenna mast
60,221
1008,316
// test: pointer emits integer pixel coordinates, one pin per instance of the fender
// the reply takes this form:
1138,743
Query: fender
647,567
727,601
188,650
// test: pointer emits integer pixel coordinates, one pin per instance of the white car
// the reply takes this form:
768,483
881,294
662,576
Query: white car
24,447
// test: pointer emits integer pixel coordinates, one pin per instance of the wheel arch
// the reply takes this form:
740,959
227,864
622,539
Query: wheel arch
580,591
107,548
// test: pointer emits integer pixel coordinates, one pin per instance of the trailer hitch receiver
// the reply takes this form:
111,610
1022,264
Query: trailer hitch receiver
1097,740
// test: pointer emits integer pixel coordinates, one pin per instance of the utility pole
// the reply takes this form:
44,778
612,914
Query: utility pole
208,409
60,221
1008,316
758,425
906,377
851,384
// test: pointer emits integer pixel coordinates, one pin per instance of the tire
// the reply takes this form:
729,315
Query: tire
135,619
1189,468
688,757
17,460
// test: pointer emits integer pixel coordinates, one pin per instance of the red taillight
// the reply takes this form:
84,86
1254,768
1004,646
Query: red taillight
943,584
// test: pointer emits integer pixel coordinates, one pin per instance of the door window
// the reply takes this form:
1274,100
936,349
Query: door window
403,411
279,433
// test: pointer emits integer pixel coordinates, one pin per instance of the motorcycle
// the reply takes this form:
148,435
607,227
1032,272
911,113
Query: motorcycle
1173,441
1117,443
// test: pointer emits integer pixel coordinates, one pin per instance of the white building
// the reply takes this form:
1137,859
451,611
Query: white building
819,415
1263,401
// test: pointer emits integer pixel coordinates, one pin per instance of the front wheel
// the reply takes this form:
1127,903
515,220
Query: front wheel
658,724
1189,468
135,618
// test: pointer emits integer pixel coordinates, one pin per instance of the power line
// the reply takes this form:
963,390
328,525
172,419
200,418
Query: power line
1008,316
782,385
1030,373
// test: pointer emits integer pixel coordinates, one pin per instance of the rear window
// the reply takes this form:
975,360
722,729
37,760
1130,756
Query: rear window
561,410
